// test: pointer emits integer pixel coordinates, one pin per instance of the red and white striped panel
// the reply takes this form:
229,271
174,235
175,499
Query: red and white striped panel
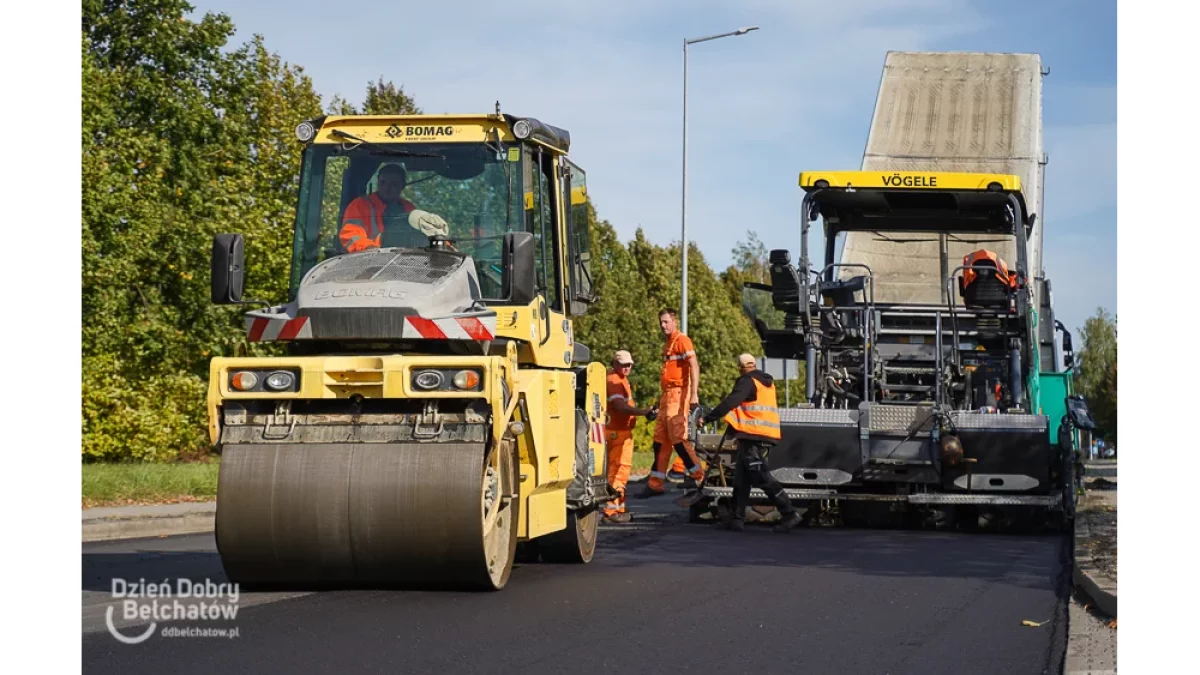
455,328
597,432
263,329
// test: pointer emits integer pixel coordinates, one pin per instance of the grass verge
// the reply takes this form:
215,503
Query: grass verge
128,484
642,461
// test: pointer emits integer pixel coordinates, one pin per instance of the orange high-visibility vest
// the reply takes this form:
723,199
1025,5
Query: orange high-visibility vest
363,223
760,416
1001,269
618,387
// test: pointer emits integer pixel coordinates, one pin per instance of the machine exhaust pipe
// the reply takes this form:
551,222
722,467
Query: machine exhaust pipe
1014,376
810,370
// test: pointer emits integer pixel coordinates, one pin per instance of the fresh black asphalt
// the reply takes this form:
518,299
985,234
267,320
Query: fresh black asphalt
668,597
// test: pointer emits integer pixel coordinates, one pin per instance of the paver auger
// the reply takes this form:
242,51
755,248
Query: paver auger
429,417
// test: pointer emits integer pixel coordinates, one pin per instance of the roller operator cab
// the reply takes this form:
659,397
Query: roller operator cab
428,417
924,393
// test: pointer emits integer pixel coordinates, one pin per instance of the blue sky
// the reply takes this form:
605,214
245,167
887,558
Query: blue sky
797,94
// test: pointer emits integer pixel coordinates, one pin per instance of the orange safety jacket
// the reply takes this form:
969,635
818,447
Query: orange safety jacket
1002,272
362,225
676,372
759,417
618,388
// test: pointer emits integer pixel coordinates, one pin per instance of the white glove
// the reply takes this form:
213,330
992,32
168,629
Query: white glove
428,223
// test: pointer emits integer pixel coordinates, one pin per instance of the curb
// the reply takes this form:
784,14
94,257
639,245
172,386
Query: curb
117,523
1086,576
198,520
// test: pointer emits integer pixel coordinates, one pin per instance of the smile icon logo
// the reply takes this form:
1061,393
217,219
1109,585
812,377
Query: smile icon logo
394,131
141,602
108,620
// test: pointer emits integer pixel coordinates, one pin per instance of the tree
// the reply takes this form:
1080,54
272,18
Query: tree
751,264
183,138
750,258
385,98
382,98
609,324
340,106
1097,371
180,140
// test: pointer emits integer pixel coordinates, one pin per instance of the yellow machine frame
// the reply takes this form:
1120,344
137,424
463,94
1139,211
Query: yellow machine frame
529,382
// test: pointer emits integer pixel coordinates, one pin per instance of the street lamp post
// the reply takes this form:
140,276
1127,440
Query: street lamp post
683,205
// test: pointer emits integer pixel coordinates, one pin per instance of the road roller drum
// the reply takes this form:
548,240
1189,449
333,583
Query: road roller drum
379,514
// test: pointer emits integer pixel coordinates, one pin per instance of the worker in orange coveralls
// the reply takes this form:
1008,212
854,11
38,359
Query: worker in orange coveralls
367,216
679,394
621,420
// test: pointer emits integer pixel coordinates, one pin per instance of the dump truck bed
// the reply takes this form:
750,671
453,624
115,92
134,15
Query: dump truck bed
959,112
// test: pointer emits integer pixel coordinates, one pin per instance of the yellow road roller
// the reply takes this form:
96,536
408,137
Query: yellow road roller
428,417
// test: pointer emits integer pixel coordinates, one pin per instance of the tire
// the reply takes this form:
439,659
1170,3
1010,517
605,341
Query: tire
1063,520
575,544
501,546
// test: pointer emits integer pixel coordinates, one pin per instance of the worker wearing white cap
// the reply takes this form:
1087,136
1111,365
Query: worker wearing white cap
621,420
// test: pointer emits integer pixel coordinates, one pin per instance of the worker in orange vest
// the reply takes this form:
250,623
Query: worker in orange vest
753,416
368,216
621,420
679,394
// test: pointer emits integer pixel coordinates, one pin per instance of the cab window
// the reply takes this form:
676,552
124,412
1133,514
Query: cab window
539,218
579,237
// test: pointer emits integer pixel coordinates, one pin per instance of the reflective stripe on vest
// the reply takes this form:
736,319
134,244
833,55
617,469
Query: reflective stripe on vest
759,417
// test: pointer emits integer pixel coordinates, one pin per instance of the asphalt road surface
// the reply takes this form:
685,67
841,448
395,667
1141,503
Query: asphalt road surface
665,596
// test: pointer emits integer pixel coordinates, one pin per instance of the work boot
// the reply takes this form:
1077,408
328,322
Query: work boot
648,492
618,518
790,519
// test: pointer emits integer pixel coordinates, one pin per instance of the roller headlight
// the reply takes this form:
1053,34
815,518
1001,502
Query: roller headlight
428,379
244,380
280,381
522,129
305,132
466,379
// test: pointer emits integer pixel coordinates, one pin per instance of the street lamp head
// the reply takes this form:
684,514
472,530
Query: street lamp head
743,31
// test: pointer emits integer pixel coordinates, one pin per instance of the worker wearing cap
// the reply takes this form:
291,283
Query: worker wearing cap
753,416
621,420
368,216
679,394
